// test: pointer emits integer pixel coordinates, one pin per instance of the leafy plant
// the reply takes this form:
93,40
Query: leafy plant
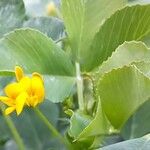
95,61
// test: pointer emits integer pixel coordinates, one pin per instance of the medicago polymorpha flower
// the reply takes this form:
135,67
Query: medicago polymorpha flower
27,91
51,9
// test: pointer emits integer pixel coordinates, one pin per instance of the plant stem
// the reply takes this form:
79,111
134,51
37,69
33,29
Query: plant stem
79,87
14,132
52,128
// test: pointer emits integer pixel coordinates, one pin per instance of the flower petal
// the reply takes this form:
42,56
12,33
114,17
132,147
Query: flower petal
9,110
25,83
36,74
37,87
35,102
13,90
20,102
32,101
6,100
19,73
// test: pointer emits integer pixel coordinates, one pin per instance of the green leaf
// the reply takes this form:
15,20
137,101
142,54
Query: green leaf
99,125
5,78
12,14
134,2
105,140
58,88
35,52
146,39
130,23
82,20
50,26
78,145
139,124
143,67
78,122
122,92
125,54
142,143
84,126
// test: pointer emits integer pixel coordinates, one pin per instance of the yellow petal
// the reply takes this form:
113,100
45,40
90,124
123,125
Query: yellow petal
9,110
7,101
33,101
13,90
25,83
36,74
37,87
19,73
20,102
28,102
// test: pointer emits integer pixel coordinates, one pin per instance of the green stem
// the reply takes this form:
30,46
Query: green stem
79,87
14,132
52,128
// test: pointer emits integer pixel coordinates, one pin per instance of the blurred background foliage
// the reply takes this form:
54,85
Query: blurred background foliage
38,8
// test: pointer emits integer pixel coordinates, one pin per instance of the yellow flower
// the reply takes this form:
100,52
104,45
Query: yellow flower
26,91
51,9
